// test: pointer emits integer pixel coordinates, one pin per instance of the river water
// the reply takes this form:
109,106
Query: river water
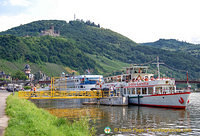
138,120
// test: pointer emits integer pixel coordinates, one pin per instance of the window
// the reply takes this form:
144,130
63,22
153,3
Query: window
124,91
133,90
144,90
138,90
129,90
150,90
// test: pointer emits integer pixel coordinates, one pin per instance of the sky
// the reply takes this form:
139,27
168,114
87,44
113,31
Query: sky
140,20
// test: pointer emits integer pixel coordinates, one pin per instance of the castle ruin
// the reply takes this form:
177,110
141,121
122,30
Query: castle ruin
50,32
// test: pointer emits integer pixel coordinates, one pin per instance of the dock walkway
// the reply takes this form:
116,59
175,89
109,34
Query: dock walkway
3,118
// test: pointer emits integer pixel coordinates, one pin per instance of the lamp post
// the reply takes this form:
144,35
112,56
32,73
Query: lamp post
13,85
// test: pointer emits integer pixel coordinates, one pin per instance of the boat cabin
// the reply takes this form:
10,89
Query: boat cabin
137,73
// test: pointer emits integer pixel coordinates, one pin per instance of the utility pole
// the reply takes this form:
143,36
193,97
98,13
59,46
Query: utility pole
13,85
158,66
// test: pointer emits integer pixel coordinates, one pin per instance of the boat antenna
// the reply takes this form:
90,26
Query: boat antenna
187,78
158,66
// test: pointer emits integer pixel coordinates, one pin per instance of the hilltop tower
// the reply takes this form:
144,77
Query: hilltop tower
27,69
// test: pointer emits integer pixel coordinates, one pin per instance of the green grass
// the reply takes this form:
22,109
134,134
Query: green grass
52,69
109,65
28,120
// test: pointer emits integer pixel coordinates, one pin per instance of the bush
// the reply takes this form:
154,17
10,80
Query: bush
27,87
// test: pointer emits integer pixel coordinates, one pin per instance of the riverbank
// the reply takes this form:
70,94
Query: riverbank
3,118
28,120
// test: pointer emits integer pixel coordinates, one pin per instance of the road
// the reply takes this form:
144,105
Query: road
3,118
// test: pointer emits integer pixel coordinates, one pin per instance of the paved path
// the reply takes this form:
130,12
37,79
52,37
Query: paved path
3,118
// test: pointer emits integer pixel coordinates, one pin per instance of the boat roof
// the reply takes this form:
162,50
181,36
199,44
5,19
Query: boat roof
85,76
136,66
81,76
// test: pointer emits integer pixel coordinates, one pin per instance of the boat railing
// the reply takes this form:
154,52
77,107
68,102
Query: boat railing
183,90
152,79
180,91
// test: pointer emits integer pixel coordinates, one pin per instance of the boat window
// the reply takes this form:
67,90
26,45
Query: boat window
143,70
124,91
144,90
164,90
171,89
129,90
133,90
167,89
138,90
116,91
150,90
158,90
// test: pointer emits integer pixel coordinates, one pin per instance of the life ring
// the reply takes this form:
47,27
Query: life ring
181,100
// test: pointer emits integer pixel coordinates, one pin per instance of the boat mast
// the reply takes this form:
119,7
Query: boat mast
158,66
187,78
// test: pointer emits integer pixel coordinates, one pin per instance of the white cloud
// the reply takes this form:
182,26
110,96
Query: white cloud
140,20
13,21
24,3
3,3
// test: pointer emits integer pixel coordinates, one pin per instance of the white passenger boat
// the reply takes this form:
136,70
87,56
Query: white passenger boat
85,82
143,89
79,82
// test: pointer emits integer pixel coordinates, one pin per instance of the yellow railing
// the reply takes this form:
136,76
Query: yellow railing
60,94
59,91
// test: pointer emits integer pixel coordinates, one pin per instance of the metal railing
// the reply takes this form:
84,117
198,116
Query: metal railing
60,94
59,90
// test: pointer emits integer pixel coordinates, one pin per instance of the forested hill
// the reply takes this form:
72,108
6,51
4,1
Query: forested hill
175,45
44,49
82,45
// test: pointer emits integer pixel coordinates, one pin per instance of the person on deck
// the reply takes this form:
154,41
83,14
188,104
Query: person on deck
34,88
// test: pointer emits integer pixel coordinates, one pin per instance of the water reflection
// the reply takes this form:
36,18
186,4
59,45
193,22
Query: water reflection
75,113
129,117
142,118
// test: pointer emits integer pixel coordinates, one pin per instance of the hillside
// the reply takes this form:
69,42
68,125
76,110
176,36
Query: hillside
84,45
44,49
175,45
50,69
88,38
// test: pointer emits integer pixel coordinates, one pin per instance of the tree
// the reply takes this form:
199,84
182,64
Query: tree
20,76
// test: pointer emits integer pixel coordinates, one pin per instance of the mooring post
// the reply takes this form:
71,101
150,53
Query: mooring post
138,99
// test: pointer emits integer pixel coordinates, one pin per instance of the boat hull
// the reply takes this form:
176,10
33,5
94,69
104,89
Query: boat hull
118,101
175,100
